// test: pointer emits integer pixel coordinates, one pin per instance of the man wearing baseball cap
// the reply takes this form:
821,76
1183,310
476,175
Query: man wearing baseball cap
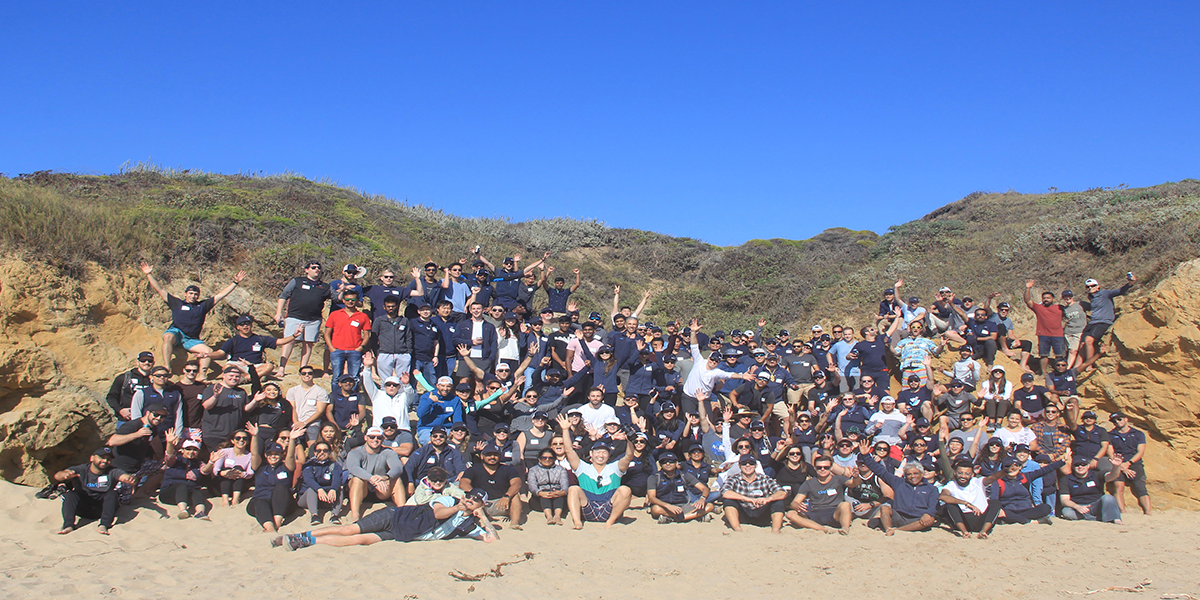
246,346
443,518
92,492
120,393
1104,312
376,471
501,482
1129,444
187,318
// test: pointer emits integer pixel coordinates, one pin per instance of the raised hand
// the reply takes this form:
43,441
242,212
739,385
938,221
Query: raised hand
1029,284
762,322
415,272
575,271
549,269
463,349
146,268
172,438
616,289
368,359
545,255
239,276
252,429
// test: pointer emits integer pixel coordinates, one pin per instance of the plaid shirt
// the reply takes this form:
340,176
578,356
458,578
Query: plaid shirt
761,487
1051,439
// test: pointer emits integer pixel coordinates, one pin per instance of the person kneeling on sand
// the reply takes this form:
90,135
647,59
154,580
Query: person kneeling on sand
599,495
442,519
93,491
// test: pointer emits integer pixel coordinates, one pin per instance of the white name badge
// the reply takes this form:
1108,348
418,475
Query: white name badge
102,480
185,307
679,488
431,460
1091,484
306,286
256,347
282,475
355,324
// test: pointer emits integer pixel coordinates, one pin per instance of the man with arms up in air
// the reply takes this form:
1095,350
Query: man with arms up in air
187,318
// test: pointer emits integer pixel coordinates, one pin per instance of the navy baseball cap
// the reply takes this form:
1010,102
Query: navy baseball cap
490,448
747,459
244,320
540,415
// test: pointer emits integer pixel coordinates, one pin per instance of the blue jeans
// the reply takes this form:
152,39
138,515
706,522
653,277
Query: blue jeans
446,366
340,359
1105,509
427,370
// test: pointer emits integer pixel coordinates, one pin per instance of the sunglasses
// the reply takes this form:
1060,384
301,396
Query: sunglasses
437,481
318,267
387,276
437,435
820,468
376,437
148,361
191,370
743,446
391,385
795,454
240,438
320,450
306,373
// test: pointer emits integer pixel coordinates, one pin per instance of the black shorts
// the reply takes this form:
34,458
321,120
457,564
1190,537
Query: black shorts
762,512
823,516
1096,330
378,523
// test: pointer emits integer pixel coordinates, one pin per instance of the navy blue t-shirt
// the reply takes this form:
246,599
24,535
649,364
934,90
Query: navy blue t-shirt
344,406
872,355
378,293
558,299
188,317
249,348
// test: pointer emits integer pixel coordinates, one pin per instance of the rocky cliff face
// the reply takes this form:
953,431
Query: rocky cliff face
65,338
1153,374
63,341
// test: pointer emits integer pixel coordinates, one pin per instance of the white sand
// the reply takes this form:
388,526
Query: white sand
150,556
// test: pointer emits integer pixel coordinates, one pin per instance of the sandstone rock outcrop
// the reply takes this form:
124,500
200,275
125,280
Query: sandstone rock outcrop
1153,374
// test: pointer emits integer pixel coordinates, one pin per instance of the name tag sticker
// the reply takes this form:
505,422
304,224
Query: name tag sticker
185,308
679,488
1091,484
431,460
282,475
306,286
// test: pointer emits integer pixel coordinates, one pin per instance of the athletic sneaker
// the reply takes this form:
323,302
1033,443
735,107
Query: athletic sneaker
292,541
315,520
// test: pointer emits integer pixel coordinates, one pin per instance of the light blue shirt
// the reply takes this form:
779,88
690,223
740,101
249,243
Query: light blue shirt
841,352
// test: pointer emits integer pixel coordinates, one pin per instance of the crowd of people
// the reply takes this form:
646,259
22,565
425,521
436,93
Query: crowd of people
470,394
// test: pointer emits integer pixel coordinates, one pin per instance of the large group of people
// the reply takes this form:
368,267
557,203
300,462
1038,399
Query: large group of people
471,395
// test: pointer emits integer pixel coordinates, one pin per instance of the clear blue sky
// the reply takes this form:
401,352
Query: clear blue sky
724,121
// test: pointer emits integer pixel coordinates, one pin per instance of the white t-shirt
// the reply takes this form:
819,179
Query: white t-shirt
477,333
973,493
1011,438
595,417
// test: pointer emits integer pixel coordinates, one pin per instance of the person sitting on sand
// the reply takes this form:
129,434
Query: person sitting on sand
1082,494
321,484
435,484
548,483
442,519
674,495
93,491
599,495
230,468
750,496
915,500
820,501
181,484
501,482
966,504
273,467
374,470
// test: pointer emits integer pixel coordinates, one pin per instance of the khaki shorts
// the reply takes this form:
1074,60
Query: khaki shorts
794,397
1073,341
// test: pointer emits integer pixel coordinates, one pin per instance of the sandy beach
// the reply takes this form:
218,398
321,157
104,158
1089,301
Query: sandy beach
149,556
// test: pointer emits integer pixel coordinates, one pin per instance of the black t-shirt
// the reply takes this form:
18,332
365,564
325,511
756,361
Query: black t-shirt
914,399
130,456
249,348
188,317
306,298
1032,399
92,484
497,484
792,479
1083,490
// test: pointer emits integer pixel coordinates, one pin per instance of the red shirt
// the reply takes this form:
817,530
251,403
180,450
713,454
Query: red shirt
1049,320
347,329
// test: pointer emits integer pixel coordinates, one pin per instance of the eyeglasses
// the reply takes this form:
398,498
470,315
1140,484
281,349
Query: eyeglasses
437,435
387,276
374,437
158,374
456,270
391,385
822,468
306,373
191,370
240,438
148,361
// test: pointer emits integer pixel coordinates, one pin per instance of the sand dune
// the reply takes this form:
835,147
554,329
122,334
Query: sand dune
152,556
